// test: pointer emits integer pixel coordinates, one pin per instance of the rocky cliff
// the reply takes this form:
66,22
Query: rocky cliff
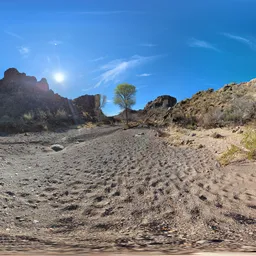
28,104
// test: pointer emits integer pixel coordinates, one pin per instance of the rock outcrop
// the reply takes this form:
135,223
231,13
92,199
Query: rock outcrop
24,102
87,103
164,101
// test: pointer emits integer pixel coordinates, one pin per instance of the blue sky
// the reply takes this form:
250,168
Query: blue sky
160,46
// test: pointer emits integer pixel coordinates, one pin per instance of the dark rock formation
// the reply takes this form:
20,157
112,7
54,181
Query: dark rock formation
43,85
164,101
24,102
87,103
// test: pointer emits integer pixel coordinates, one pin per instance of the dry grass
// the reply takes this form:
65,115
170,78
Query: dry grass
230,155
249,141
87,125
28,116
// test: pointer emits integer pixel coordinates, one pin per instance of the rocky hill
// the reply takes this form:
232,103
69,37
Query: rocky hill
233,104
27,104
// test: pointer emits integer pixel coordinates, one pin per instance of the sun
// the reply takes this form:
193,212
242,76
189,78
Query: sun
59,77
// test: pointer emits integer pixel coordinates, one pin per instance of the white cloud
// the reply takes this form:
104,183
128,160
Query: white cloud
242,40
109,101
13,35
114,69
144,75
99,59
24,51
148,45
55,42
202,44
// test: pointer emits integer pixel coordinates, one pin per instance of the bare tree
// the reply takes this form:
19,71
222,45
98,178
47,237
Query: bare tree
102,103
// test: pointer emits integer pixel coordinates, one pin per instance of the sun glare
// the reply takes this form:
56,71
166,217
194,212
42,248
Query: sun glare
59,77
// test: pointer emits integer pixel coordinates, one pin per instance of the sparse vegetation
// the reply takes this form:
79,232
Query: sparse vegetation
61,115
249,141
229,155
28,116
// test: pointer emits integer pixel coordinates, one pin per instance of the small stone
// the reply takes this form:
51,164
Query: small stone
35,221
7,229
203,198
200,146
139,134
201,242
216,135
57,147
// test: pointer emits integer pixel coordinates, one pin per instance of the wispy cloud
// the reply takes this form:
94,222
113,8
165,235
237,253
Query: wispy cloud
55,42
114,69
148,45
144,75
24,51
109,101
242,40
202,44
13,35
88,89
99,59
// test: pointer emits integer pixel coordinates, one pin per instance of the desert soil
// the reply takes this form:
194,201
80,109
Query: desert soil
121,190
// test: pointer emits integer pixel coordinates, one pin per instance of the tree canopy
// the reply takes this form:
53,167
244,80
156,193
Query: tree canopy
125,97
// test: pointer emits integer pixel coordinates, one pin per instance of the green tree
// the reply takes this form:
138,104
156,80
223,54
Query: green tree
125,97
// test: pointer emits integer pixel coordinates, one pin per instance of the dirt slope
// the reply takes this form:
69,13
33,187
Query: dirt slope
111,188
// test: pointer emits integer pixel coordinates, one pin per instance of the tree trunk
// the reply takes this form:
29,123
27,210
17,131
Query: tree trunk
126,115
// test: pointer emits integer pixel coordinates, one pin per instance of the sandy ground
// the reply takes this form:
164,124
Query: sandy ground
217,146
143,254
117,190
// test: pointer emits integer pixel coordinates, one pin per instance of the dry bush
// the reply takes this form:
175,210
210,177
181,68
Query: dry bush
29,116
184,120
41,115
212,119
249,141
61,115
241,111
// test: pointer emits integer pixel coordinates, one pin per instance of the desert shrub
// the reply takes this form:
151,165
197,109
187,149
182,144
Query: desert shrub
28,116
212,119
184,120
61,115
229,155
241,111
41,115
249,141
